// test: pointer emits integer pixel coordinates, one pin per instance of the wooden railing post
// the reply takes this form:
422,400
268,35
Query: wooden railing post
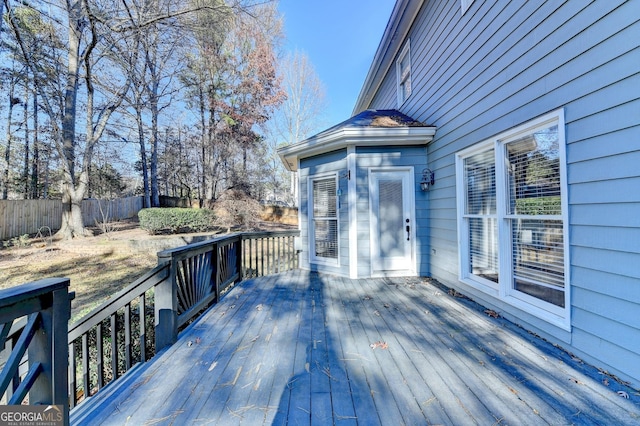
166,306
42,336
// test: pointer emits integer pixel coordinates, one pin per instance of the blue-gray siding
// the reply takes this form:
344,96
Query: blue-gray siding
375,157
332,162
503,64
366,158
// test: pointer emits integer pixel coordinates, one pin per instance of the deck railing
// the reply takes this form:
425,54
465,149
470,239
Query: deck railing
33,339
147,315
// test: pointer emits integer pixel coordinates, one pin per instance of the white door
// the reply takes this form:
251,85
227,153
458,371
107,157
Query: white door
392,221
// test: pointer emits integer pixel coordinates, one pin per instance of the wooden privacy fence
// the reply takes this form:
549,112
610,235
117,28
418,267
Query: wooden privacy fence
19,217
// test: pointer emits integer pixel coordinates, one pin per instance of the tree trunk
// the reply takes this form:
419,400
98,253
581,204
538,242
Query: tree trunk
7,149
155,193
36,150
72,222
143,158
72,225
25,172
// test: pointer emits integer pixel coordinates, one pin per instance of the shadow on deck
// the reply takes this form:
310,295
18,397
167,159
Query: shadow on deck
302,348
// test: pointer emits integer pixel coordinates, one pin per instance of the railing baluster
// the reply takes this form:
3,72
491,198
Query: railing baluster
216,284
127,336
114,345
262,258
270,250
73,396
85,365
100,354
142,307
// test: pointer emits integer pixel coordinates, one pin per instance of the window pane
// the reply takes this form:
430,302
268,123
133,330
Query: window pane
479,174
483,243
405,88
324,198
326,238
538,259
534,174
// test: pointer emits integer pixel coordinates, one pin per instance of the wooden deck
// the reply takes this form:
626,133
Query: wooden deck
302,348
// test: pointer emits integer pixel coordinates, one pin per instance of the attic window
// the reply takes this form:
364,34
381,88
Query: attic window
466,4
403,71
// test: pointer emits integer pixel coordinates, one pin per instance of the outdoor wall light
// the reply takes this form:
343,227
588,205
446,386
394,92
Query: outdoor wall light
427,179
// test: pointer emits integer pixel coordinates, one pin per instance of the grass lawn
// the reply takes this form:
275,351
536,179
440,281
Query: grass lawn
97,267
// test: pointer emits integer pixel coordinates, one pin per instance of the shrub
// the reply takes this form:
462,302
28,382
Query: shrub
236,209
175,220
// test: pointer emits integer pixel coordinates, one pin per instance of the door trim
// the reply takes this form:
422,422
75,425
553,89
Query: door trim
408,183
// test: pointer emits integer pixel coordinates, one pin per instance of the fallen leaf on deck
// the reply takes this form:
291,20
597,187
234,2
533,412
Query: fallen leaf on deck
197,340
576,381
379,344
492,313
189,343
259,307
605,381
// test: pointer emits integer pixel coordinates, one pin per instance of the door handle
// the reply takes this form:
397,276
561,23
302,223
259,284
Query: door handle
408,232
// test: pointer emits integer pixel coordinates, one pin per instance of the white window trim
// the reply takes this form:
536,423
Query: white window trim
465,276
465,5
405,52
560,317
312,243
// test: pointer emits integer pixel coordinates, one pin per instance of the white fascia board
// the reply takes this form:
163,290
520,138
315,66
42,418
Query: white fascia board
402,17
341,138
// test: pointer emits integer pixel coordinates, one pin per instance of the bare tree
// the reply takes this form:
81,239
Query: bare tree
78,79
298,116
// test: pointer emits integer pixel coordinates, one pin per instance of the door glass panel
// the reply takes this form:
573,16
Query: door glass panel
391,218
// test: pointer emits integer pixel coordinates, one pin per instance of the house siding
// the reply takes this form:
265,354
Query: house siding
367,158
332,162
502,64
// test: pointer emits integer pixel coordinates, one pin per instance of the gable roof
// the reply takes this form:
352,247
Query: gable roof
402,17
369,128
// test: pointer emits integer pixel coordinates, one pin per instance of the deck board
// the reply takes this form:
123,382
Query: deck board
294,348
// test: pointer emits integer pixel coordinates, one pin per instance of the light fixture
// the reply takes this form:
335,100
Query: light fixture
427,179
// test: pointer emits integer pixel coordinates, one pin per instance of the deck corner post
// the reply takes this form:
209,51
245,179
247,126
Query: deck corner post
50,348
166,310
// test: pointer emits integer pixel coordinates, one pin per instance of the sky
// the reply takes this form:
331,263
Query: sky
340,38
